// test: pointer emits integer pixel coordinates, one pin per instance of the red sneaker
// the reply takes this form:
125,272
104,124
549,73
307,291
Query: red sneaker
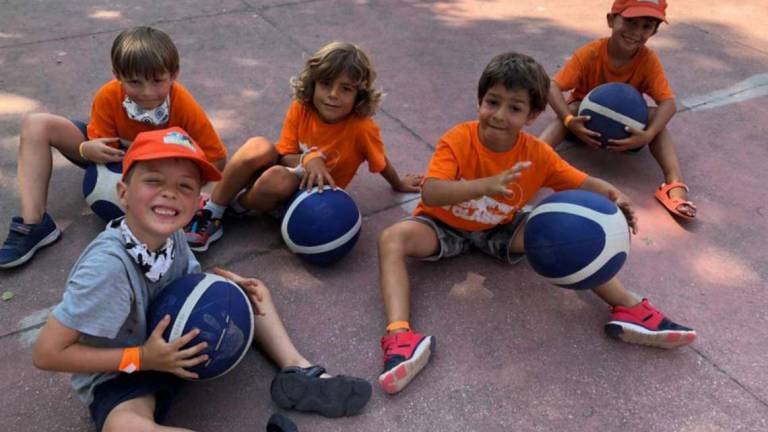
643,324
405,355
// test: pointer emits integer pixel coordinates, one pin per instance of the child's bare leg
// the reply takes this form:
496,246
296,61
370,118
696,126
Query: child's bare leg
614,293
40,132
256,153
135,415
404,239
556,131
272,337
275,185
663,150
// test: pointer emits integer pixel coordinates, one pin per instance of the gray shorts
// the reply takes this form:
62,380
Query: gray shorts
494,242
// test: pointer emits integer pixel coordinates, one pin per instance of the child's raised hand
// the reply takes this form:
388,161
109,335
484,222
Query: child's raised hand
253,288
589,137
625,205
409,183
636,139
316,173
98,151
499,184
159,355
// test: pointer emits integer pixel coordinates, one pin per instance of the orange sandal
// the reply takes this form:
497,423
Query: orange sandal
672,204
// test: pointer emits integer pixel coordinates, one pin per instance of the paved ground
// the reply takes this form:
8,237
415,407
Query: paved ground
514,353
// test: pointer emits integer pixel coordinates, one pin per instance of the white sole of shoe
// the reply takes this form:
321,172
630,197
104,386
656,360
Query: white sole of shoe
633,333
50,238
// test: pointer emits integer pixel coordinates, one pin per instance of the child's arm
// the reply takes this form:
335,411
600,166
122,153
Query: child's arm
408,183
639,138
602,187
576,123
58,349
253,288
436,192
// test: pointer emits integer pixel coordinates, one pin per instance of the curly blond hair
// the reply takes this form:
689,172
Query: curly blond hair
328,63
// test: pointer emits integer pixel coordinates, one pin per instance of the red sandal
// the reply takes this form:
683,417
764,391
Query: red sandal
672,204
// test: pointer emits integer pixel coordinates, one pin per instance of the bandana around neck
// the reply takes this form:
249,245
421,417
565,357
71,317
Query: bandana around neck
156,116
153,264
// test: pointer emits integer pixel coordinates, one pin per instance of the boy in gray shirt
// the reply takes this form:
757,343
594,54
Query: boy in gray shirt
99,330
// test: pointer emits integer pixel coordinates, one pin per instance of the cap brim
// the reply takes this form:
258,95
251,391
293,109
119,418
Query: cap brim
643,11
208,172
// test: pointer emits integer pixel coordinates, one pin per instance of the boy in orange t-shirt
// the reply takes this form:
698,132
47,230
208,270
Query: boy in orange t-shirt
144,96
327,133
624,57
481,175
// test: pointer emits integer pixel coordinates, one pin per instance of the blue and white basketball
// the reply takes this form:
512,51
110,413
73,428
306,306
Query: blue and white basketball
611,107
218,308
100,189
577,239
321,228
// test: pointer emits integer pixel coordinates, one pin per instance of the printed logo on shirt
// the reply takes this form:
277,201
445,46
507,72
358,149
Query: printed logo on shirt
487,210
179,139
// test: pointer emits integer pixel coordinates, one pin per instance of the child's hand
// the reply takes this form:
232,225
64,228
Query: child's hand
625,205
315,172
636,139
98,151
499,184
253,288
409,183
159,355
578,128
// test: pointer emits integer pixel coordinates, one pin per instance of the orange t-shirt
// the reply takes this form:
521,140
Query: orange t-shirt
345,144
590,66
108,119
461,156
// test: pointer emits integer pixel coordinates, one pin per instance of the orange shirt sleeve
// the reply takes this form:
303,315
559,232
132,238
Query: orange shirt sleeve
656,85
444,164
196,123
372,146
560,174
568,77
288,143
103,122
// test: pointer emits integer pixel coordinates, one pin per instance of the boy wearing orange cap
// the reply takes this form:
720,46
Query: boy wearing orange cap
624,57
98,331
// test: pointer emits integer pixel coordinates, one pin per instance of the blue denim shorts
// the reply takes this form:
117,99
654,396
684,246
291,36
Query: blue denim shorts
125,387
494,242
83,126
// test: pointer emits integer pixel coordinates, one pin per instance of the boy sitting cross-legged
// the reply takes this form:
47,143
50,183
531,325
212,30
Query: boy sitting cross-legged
481,175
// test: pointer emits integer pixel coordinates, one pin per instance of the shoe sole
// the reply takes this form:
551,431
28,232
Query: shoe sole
330,397
640,335
47,240
213,238
395,379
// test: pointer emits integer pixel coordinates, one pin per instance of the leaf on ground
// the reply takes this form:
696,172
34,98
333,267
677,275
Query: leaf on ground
647,241
7,295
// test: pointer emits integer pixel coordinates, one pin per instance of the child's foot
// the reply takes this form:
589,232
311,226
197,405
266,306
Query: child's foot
203,230
303,389
643,324
25,239
674,197
405,355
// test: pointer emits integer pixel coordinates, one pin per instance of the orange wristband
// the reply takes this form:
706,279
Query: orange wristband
310,156
399,325
567,120
131,361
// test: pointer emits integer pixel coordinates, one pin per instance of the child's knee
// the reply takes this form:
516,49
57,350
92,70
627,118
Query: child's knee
277,180
259,148
392,240
125,421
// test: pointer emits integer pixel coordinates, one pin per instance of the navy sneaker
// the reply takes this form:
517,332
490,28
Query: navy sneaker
203,230
303,389
25,239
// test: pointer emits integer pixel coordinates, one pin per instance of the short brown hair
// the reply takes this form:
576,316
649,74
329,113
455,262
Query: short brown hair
333,60
517,72
144,51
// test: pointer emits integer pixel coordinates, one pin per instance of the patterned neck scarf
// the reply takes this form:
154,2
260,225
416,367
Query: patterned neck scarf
156,116
153,264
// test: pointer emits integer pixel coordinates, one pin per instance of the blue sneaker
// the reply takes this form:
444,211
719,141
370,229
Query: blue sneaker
25,239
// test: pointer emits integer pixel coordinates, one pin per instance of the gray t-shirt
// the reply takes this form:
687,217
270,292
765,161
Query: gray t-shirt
107,298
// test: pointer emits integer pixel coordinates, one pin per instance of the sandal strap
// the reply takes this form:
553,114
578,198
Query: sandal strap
311,371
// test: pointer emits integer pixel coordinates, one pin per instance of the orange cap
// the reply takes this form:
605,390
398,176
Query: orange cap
169,143
640,8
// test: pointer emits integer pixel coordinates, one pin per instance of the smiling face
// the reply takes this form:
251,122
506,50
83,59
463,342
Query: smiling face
159,197
629,34
148,93
502,114
335,99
